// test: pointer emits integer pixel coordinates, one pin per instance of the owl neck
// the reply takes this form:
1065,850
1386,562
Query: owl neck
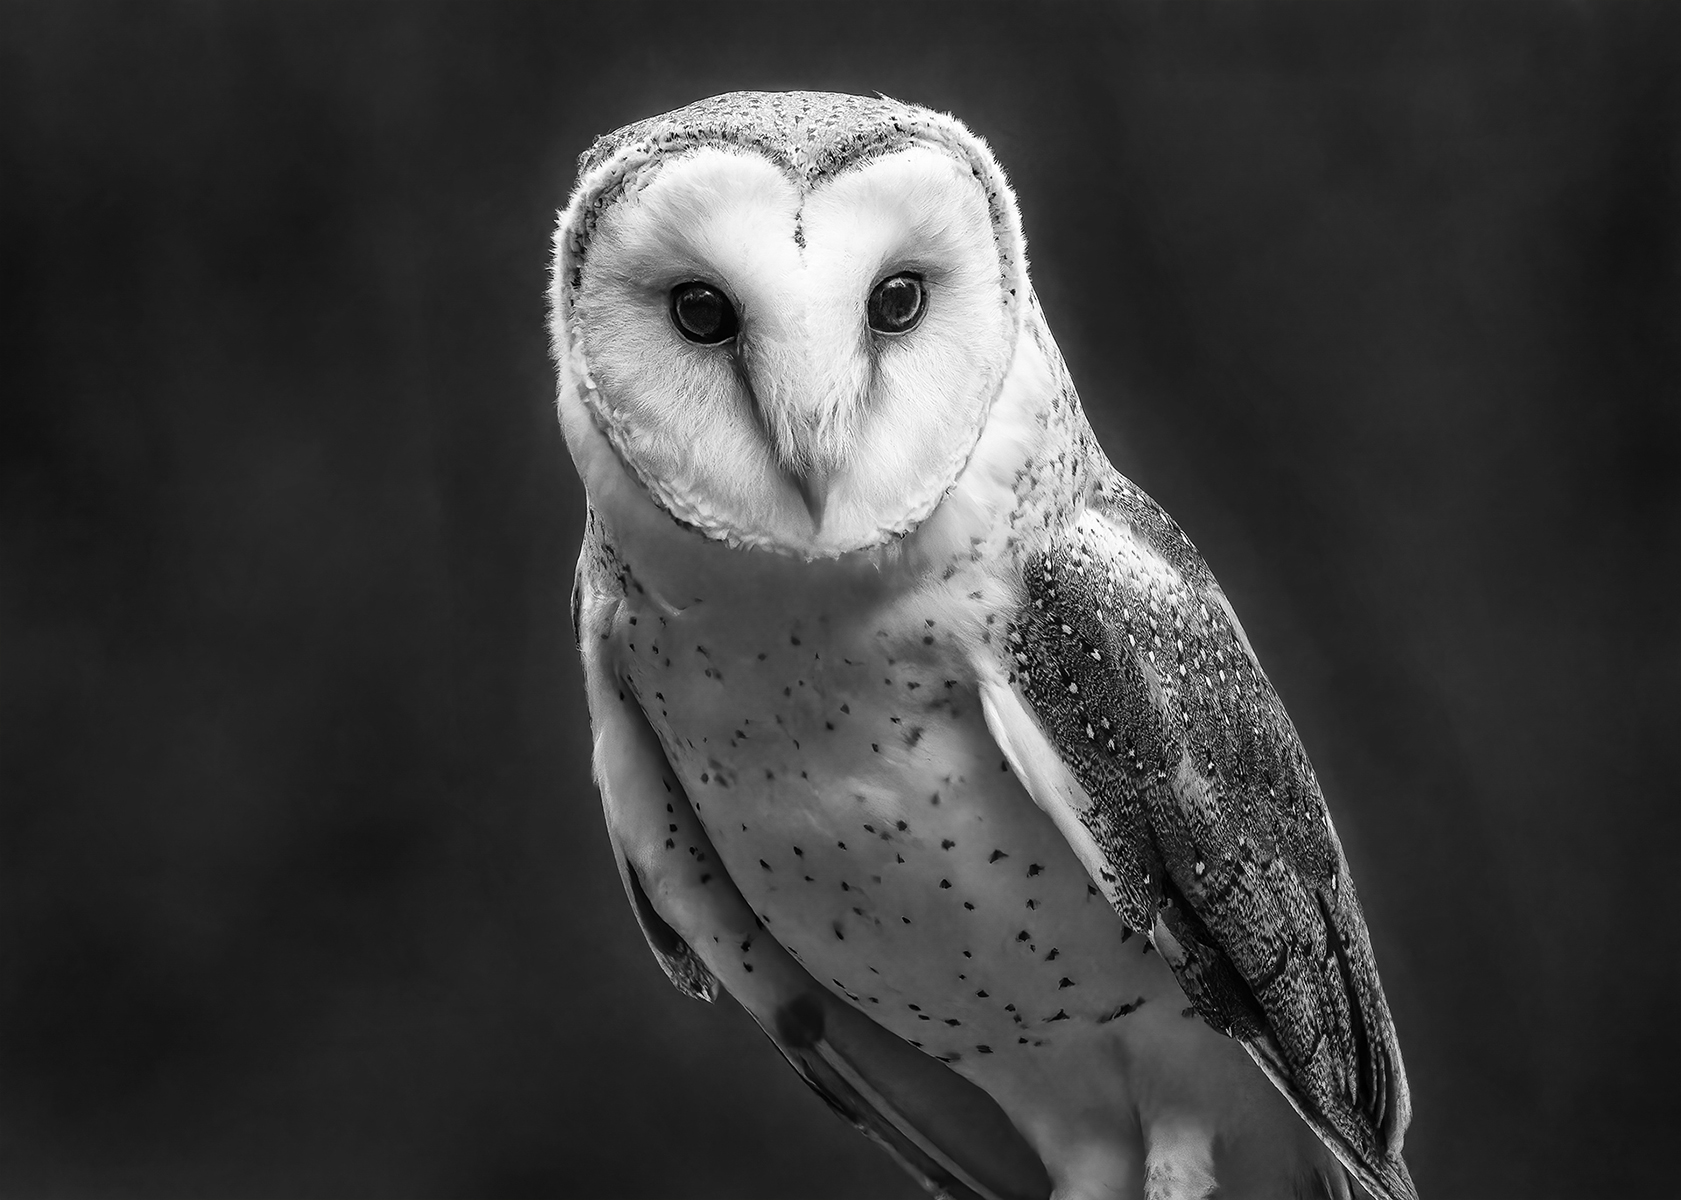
1036,458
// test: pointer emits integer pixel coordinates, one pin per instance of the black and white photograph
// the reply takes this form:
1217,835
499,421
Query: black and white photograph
840,601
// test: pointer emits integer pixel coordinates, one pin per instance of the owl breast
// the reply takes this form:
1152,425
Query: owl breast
833,743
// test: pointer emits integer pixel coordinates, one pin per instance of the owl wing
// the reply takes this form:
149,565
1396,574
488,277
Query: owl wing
946,1132
1138,717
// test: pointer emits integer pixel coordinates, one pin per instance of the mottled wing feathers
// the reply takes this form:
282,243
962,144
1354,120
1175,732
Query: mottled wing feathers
1207,813
944,1130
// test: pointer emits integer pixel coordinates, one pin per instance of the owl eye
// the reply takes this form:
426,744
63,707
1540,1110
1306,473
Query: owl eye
703,314
897,304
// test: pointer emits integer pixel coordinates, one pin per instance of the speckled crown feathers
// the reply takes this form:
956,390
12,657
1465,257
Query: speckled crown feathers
810,134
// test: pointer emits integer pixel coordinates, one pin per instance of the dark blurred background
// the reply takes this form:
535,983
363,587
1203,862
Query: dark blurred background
303,886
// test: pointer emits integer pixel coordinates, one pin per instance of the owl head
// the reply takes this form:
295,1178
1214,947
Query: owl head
785,317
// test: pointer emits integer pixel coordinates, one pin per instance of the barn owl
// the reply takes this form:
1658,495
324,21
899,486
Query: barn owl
918,728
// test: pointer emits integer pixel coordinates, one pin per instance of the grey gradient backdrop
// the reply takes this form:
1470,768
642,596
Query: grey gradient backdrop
303,889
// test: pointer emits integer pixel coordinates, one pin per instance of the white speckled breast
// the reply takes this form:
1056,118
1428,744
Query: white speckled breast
833,744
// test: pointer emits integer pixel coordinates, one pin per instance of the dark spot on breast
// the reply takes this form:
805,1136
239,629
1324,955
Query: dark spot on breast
945,883
928,640
1061,1015
953,1021
982,994
793,641
1122,1011
1023,936
969,905
1064,982
846,708
845,887
1034,869
762,862
984,1049
946,843
798,852
996,855
1052,956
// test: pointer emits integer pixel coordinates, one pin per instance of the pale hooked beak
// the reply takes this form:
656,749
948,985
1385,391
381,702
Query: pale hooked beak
794,428
813,486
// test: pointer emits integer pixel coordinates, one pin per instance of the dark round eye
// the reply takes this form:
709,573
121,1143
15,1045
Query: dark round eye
703,314
897,304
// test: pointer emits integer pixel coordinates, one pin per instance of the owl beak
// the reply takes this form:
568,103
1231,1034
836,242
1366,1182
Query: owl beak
813,486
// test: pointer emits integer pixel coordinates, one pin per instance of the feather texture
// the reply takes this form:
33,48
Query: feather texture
832,571
1206,810
946,1132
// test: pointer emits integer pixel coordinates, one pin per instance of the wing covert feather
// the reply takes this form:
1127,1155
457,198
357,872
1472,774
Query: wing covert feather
1208,812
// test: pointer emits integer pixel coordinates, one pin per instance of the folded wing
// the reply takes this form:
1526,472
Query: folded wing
1147,729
